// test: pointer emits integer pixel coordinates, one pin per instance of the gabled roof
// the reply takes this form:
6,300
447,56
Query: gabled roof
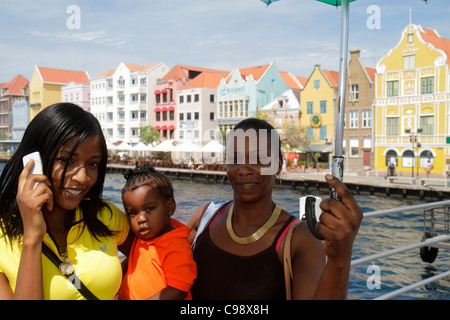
108,73
60,76
293,82
206,80
15,86
431,36
371,73
138,67
257,72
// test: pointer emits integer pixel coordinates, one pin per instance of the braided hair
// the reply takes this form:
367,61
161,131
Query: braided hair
146,174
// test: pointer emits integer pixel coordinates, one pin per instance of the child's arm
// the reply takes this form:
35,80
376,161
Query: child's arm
168,293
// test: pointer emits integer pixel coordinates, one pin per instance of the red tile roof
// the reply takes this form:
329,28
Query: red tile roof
179,72
431,36
15,86
108,73
61,76
206,80
332,76
371,72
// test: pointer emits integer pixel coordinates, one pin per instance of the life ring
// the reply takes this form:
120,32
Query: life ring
428,254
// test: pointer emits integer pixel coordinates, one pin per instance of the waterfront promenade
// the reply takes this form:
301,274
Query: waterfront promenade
434,188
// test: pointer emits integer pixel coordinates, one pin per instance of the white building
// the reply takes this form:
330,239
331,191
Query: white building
197,108
121,99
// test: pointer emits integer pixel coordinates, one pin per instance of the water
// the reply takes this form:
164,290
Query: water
376,234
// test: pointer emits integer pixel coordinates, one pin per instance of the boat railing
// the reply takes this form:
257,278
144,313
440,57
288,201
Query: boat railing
429,244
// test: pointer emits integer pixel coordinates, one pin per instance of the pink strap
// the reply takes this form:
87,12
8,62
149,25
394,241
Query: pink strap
284,234
217,215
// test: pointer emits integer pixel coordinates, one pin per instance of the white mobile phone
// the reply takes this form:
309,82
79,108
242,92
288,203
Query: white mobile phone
37,168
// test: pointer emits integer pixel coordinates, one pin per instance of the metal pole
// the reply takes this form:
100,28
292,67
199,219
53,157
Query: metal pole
338,158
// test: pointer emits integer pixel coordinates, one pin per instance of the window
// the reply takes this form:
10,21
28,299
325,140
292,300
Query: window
392,128
181,116
410,37
158,98
354,92
196,116
171,115
164,115
211,98
323,107
211,116
427,125
134,115
121,82
109,116
323,132
143,97
121,132
391,158
134,98
408,159
310,133
353,119
121,99
181,99
143,115
158,116
392,88
409,62
143,81
134,132
366,118
427,85
354,147
196,97
188,116
317,84
188,98
309,107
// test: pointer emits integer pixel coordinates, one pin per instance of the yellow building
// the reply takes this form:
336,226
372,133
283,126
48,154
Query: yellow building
412,98
45,86
317,111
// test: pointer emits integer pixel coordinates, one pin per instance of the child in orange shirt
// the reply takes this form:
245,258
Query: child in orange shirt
161,265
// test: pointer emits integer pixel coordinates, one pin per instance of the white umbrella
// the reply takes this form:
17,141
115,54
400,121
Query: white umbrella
110,146
213,146
188,146
123,146
140,147
165,146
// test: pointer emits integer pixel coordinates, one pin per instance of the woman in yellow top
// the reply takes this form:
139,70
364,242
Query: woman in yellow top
64,211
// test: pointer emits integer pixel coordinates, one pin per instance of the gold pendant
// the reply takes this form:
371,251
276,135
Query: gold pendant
66,266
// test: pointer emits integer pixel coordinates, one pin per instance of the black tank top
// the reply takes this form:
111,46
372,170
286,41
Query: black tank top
225,276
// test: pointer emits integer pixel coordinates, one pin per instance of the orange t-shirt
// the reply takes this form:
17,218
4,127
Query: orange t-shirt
164,261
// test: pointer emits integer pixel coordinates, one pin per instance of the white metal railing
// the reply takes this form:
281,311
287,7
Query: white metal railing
426,243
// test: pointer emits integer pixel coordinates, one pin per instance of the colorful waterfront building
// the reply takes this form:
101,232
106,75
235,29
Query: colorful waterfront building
244,91
166,101
45,86
12,93
317,104
412,103
359,114
77,93
197,109
122,99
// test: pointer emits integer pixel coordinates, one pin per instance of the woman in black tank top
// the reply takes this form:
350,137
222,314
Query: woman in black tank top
238,254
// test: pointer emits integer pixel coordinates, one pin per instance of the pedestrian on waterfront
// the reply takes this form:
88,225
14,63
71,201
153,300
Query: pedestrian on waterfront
160,266
428,168
284,168
63,217
239,253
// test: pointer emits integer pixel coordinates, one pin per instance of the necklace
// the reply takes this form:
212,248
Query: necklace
258,233
66,266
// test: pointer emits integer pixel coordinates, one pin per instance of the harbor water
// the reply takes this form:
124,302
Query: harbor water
376,234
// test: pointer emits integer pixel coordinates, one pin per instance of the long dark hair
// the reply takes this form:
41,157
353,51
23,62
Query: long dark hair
47,133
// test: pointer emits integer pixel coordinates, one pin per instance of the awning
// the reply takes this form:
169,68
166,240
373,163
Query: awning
157,92
321,148
157,109
158,127
164,109
171,127
171,108
164,127
164,91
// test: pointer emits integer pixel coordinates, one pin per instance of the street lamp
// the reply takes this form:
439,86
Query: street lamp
413,138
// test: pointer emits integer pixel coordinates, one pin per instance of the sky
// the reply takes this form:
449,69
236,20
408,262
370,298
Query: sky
217,34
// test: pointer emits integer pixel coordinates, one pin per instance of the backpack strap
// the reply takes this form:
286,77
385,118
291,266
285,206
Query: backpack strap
213,207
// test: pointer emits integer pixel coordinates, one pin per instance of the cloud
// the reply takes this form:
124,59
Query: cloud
98,37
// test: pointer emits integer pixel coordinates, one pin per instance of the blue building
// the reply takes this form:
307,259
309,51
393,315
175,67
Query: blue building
19,118
244,91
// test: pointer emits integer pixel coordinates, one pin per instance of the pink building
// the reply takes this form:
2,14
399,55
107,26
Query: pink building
77,93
